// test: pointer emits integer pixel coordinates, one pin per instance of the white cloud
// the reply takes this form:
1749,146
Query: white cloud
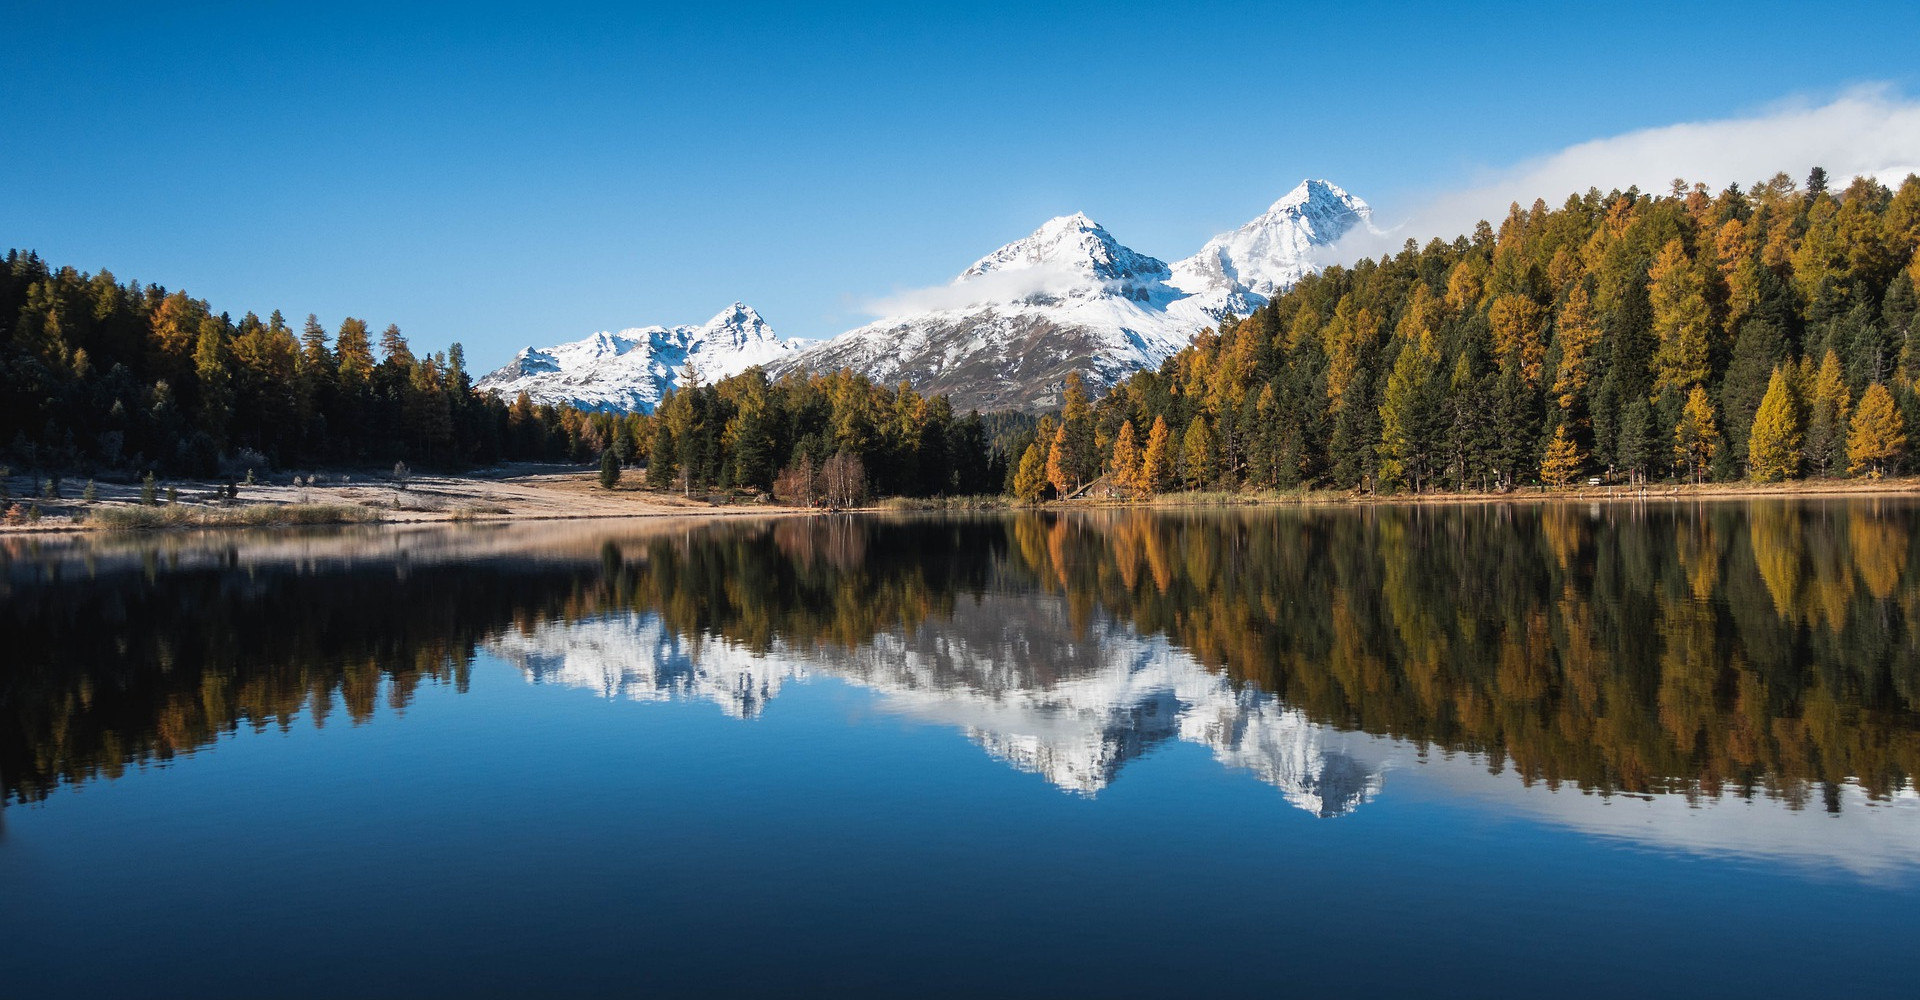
1868,131
1008,285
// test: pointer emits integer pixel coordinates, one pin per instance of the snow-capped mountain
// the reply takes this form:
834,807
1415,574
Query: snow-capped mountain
1007,331
1239,271
1004,334
631,369
1070,297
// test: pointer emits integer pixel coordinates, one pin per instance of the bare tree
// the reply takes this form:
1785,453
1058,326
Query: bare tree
845,480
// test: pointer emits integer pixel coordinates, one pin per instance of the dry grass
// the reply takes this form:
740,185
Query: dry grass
129,518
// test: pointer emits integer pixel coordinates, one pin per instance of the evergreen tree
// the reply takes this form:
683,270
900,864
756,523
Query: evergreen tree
609,469
662,458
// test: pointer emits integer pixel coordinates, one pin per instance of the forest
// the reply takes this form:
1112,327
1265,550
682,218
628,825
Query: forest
1763,333
111,377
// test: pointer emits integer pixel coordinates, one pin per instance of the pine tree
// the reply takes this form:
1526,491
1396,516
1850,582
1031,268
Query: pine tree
1877,436
1773,446
1125,464
662,464
1563,460
1156,464
609,469
1695,438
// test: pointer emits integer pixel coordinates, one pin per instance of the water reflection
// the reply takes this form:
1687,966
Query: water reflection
1716,676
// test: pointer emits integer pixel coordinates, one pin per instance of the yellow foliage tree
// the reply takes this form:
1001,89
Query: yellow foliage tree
1125,464
1199,454
1773,449
1030,480
1058,459
1877,435
1696,437
1563,460
1578,332
1156,465
1681,319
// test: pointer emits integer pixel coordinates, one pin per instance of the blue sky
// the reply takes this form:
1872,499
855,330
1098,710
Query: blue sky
531,174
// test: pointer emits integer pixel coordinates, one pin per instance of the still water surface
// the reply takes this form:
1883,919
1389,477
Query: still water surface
1477,751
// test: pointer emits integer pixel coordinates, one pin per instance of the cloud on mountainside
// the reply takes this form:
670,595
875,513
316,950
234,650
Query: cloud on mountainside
994,286
1869,130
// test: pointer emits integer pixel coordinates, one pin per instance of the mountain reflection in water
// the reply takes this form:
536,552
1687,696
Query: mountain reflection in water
1725,676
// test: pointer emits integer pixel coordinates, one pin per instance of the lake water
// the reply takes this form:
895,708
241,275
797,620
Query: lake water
1493,750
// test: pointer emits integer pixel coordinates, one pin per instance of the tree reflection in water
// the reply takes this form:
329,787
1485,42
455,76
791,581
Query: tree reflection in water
1705,649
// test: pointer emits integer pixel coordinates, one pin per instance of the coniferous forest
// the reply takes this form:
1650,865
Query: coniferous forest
1762,332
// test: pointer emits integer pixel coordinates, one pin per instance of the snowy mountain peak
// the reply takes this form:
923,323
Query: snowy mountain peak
737,325
1072,243
1238,271
632,369
1312,194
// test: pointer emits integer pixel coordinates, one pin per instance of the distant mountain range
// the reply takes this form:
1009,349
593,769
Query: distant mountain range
1004,334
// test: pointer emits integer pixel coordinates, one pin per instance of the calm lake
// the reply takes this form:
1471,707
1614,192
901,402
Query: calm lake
1496,750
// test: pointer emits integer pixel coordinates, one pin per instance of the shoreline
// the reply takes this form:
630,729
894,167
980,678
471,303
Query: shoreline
547,494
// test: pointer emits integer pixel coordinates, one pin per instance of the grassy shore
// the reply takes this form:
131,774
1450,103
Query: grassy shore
139,518
552,494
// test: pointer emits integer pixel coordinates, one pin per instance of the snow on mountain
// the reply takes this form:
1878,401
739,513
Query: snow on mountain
1007,331
1070,297
1239,271
632,369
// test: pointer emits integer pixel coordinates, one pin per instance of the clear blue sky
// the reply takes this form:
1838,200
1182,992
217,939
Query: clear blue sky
533,173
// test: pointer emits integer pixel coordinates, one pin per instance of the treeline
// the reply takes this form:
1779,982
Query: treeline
808,438
103,375
1765,333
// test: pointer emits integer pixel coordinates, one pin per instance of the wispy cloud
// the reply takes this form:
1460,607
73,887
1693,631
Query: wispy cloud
1867,131
994,286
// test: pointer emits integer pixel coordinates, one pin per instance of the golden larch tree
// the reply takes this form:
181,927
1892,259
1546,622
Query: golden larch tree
1681,319
1563,460
1696,437
1773,448
1156,464
1124,467
1877,435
